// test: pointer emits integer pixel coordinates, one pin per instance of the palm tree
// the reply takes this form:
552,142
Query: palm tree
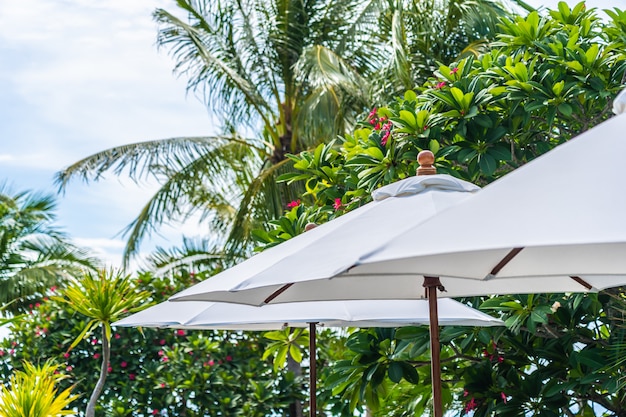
34,255
241,56
290,74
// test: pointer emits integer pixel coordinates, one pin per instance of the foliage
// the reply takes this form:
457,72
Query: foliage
545,80
155,371
34,254
33,393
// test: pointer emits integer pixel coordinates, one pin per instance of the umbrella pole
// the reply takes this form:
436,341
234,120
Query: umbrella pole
312,371
432,284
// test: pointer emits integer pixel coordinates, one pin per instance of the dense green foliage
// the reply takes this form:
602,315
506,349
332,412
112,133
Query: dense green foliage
545,80
156,371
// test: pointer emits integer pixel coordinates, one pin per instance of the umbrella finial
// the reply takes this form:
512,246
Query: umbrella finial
426,160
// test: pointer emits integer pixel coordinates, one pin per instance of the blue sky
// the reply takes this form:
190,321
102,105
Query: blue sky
80,76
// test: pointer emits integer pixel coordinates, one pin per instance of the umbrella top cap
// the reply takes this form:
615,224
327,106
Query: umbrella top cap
426,160
619,104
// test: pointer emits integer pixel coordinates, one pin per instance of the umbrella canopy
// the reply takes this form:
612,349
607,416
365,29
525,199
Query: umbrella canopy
333,247
362,313
556,224
377,313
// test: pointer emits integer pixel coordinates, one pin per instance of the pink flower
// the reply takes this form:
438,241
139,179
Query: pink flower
162,385
124,364
109,369
180,332
53,288
385,138
68,368
117,336
373,113
294,203
465,393
454,70
211,362
229,358
440,85
470,405
132,377
96,356
161,353
162,342
164,359
2,352
155,412
66,355
337,204
503,395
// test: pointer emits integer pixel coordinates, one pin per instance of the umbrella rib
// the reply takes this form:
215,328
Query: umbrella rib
509,256
277,293
581,282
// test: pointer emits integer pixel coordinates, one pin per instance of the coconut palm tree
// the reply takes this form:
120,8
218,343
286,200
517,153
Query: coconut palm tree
283,76
240,55
34,254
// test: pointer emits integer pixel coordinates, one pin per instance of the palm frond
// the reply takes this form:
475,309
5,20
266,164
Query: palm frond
139,159
207,51
194,255
210,185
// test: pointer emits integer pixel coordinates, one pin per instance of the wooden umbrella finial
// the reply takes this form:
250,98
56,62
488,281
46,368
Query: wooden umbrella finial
426,160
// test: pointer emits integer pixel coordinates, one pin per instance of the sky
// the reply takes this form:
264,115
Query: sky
81,76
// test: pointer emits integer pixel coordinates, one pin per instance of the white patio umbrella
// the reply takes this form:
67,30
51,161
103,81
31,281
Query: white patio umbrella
198,315
556,224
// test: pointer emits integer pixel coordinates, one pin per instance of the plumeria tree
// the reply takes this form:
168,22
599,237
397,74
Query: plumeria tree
545,80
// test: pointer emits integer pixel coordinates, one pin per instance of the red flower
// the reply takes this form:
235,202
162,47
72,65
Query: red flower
294,203
162,342
109,369
454,70
373,113
96,356
124,364
131,377
155,412
162,384
117,336
440,85
229,358
337,204
180,332
66,355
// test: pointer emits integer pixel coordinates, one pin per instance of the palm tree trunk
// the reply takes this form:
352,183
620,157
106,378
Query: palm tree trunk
106,353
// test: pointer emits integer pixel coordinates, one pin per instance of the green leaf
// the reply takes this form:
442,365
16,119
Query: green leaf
395,372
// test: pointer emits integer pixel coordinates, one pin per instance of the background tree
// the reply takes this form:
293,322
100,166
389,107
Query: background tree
35,255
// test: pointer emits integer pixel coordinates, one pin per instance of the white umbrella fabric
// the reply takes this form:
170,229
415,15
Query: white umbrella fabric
556,224
198,315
